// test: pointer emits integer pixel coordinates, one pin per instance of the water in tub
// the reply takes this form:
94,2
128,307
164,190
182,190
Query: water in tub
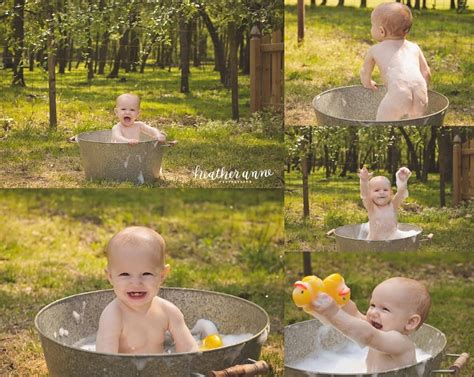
202,328
348,358
399,234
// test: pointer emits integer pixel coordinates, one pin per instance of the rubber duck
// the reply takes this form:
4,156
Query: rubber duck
211,342
306,290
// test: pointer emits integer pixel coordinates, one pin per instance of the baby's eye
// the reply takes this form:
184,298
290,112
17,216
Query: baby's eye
372,305
124,274
386,310
148,274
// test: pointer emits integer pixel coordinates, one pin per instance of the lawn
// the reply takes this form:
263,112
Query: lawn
33,156
448,276
336,201
337,38
51,246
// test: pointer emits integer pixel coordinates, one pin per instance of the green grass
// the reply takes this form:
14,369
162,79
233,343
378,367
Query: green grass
32,156
448,277
335,43
51,246
335,202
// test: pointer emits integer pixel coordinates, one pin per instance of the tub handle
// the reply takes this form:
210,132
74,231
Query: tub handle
428,237
457,365
72,139
330,234
257,368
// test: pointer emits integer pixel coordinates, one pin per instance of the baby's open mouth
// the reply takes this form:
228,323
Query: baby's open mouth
136,294
378,326
127,119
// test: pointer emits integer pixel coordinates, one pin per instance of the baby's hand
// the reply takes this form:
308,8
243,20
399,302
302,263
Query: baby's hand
325,305
132,141
403,174
371,84
364,174
161,138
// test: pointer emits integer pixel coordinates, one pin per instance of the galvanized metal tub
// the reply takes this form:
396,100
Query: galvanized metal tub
303,339
357,106
347,239
231,314
104,160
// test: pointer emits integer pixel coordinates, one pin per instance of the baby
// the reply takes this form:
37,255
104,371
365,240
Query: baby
137,319
398,307
128,130
403,67
381,204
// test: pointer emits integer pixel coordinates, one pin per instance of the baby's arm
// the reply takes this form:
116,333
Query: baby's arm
366,71
358,329
152,131
364,176
183,340
110,327
402,176
117,136
424,68
351,309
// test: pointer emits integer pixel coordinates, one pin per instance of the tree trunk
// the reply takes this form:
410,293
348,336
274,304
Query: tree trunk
363,3
408,3
443,167
452,4
18,36
62,42
218,45
90,47
7,57
53,121
424,5
417,5
324,2
340,3
120,56
415,165
134,47
71,54
184,29
233,36
312,3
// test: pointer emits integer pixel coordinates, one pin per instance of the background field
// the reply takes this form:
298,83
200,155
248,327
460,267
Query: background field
448,277
336,201
337,38
51,245
32,156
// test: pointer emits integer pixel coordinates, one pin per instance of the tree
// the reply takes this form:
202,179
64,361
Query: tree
18,42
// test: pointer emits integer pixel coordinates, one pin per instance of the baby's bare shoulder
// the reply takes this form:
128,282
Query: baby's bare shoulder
170,309
112,315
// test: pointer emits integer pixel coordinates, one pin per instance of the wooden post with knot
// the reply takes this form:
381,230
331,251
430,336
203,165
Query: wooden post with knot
457,170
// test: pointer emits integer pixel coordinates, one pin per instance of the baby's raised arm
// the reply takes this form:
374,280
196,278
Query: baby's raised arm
183,340
152,131
424,68
402,176
366,71
364,176
110,328
358,329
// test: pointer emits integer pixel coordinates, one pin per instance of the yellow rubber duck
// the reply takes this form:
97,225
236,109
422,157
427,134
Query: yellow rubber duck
306,290
211,342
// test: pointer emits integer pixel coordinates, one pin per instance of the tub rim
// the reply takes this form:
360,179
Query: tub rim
81,140
443,350
147,355
375,242
374,122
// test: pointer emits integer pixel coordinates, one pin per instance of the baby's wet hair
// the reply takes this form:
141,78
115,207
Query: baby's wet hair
396,18
136,236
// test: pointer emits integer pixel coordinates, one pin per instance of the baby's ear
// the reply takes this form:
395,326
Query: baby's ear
412,322
382,31
109,276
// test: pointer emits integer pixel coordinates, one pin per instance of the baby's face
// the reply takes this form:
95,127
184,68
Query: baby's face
127,110
136,273
380,191
376,29
389,309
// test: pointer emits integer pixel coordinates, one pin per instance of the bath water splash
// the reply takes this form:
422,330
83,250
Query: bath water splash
222,175
79,318
350,359
125,164
63,332
141,179
203,328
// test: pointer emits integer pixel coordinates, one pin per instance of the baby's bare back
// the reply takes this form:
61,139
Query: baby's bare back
379,361
398,62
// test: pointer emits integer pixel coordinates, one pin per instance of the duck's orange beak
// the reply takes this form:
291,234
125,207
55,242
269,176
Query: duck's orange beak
299,284
344,291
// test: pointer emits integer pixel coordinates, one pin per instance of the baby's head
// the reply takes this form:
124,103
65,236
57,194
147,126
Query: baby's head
127,108
380,190
391,21
399,304
136,264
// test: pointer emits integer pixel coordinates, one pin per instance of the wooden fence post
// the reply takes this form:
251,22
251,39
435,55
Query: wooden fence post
255,70
300,20
266,70
456,170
